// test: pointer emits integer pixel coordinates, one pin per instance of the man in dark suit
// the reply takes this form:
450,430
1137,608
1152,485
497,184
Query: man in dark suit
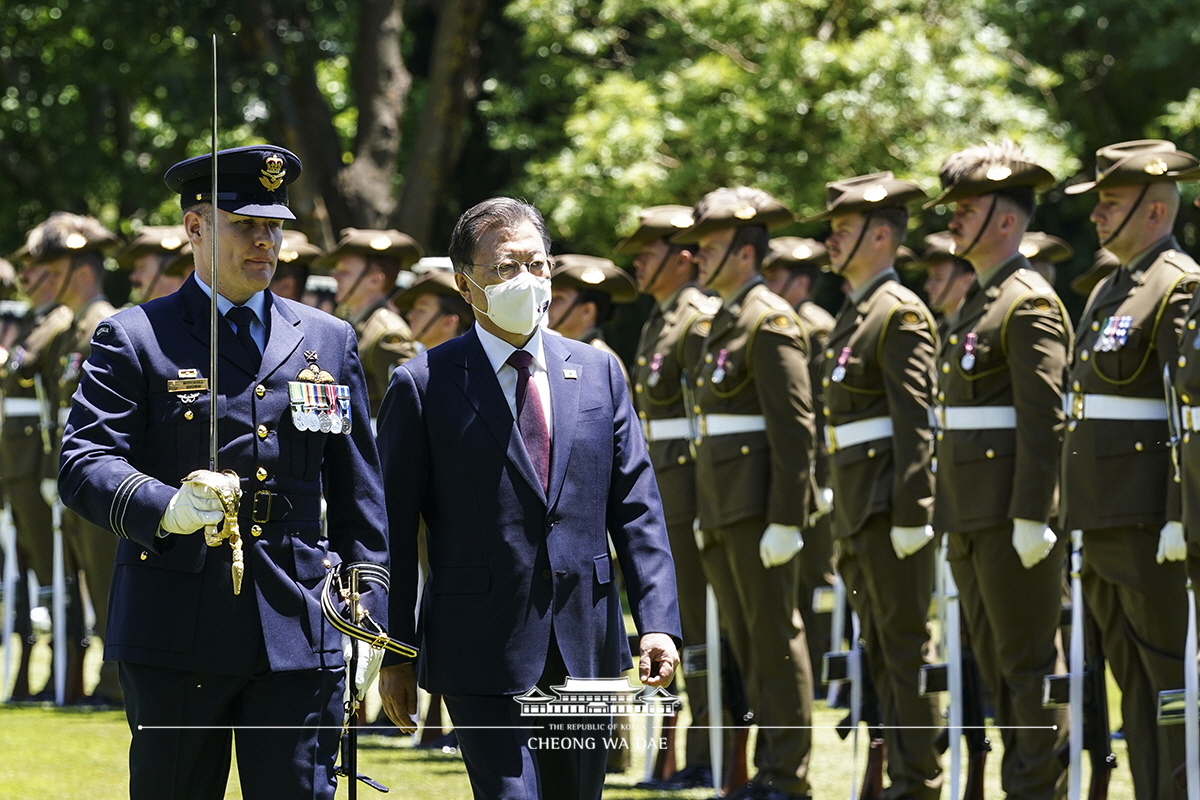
523,454
199,653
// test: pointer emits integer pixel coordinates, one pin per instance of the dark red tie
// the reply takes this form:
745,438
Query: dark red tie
531,419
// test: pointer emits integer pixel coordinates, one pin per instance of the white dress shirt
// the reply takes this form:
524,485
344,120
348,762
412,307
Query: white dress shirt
498,352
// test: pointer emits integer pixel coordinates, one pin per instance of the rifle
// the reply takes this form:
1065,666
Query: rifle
59,580
1087,695
8,540
849,667
1175,706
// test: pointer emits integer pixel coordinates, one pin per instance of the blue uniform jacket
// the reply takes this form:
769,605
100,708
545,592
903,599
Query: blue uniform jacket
129,442
506,560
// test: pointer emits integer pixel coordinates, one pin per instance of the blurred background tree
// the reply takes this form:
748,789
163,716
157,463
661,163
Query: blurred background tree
405,112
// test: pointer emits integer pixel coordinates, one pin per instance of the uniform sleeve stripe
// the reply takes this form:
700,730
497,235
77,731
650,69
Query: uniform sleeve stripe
121,498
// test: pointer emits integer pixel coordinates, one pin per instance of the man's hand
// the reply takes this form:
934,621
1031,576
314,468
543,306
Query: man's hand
1032,540
49,489
193,507
778,544
658,659
398,690
369,659
906,541
1172,546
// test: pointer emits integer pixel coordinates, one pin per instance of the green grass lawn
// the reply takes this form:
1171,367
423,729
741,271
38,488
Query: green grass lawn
67,753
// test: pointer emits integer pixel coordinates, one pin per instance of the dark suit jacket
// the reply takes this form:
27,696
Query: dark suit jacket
506,559
129,442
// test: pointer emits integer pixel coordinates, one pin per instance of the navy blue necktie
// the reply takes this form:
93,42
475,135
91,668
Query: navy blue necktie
241,317
531,417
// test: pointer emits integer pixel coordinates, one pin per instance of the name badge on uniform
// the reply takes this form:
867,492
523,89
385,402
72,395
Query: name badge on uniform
968,359
839,371
318,404
655,370
1113,334
718,374
188,386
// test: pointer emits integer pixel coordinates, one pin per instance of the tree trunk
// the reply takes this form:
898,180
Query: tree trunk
453,87
381,84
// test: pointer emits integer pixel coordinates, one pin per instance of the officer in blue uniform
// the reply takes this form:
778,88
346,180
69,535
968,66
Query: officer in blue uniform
200,654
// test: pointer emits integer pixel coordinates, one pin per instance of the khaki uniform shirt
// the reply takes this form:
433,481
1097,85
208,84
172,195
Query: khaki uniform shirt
68,352
384,343
22,451
818,324
671,343
1187,387
885,344
1008,345
1118,472
755,364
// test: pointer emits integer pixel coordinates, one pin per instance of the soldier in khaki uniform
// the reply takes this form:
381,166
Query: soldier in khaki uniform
999,416
791,270
583,292
365,264
92,549
23,460
434,308
947,278
754,485
146,258
878,382
1045,253
1118,483
670,344
296,257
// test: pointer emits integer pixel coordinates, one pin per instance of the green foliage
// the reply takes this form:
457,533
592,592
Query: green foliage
648,103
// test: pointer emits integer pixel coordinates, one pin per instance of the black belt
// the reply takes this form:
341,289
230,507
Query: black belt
265,506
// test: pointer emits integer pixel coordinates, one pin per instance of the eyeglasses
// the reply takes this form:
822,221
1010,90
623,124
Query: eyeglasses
509,268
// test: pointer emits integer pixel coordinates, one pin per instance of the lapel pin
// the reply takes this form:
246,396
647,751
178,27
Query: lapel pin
570,374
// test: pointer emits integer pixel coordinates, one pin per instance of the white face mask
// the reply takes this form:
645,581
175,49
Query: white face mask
517,305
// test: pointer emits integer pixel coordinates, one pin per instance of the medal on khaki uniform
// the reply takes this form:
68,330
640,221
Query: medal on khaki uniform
968,359
839,372
655,370
718,374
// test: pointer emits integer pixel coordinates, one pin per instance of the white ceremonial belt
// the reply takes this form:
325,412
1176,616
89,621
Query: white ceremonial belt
22,407
1108,406
839,437
721,424
975,418
660,430
1191,418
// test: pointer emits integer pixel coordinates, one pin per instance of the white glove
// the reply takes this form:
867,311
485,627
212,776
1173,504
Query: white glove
778,544
906,541
1032,540
824,505
50,491
193,507
1172,546
369,660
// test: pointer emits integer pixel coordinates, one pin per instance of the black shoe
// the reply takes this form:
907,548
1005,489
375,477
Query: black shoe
693,777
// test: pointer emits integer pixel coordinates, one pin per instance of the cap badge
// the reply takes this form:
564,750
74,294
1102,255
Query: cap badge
592,275
681,221
875,193
745,212
1028,250
288,256
75,241
998,172
273,173
802,251
380,243
171,242
1155,166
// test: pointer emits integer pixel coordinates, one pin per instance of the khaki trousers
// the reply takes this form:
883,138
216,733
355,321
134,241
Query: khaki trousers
891,597
766,634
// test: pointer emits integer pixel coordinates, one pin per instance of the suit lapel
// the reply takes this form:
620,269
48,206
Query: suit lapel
197,306
479,383
283,336
564,403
